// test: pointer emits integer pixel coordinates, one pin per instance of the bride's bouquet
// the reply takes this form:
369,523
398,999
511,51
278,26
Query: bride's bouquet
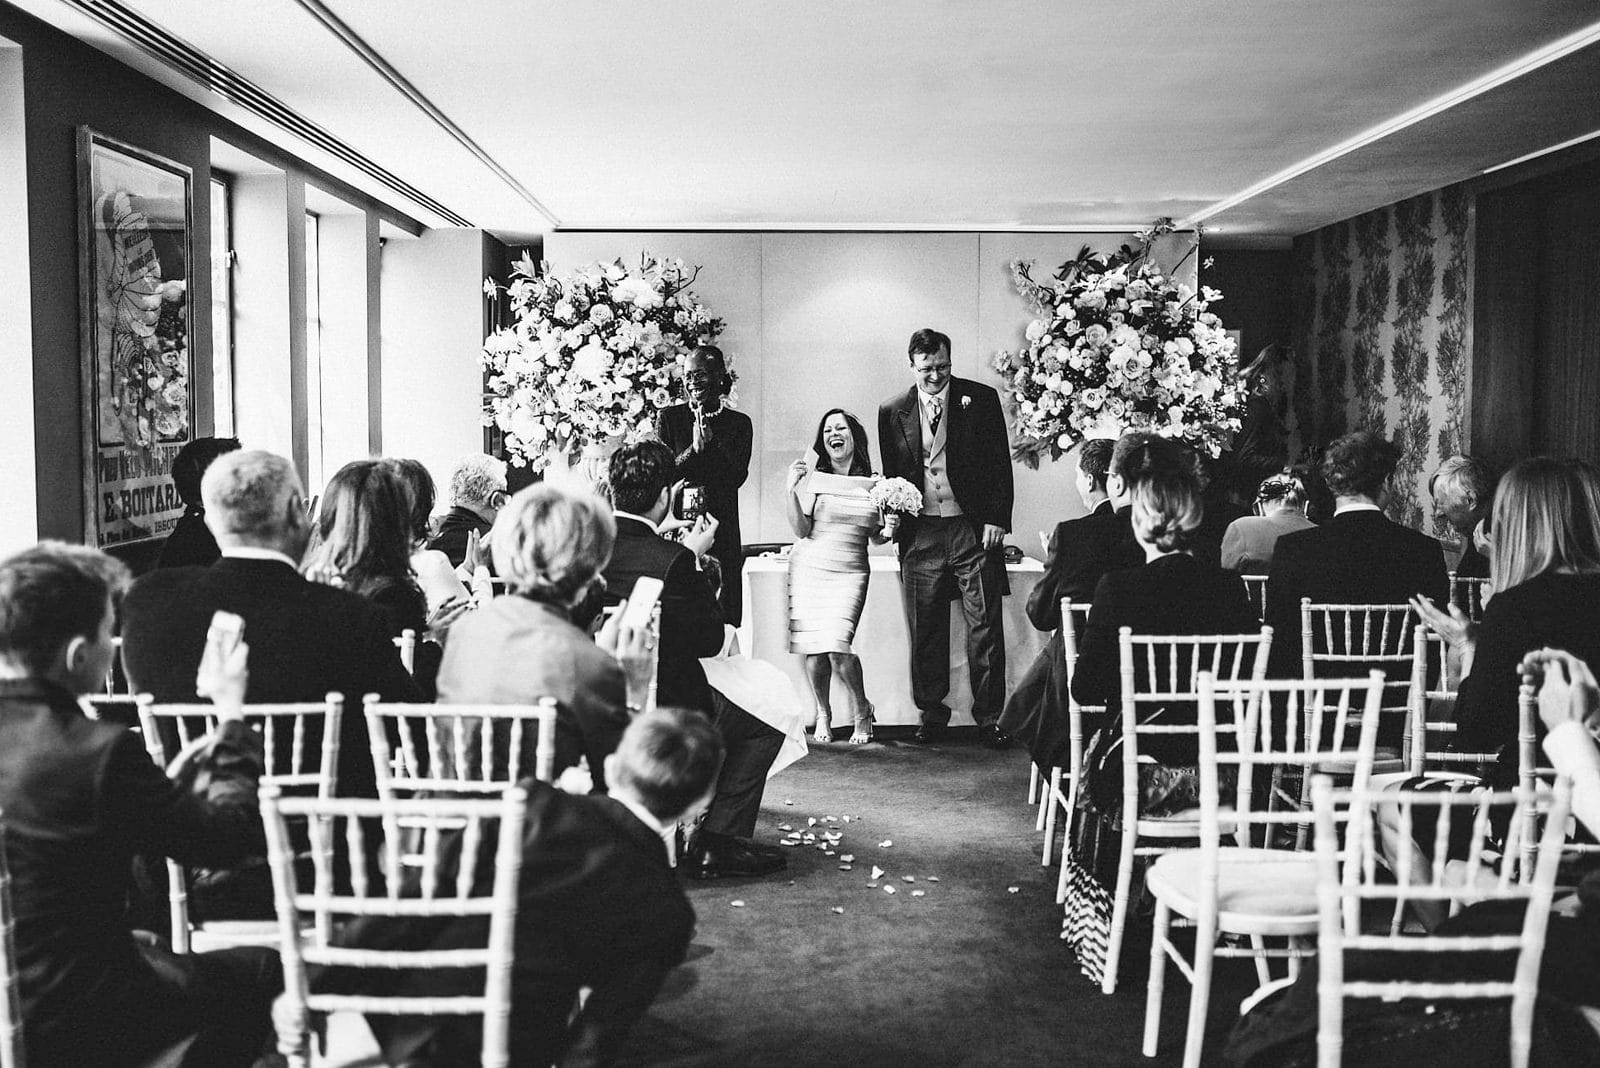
896,496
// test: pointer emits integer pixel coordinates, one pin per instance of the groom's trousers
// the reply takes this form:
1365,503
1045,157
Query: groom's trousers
944,560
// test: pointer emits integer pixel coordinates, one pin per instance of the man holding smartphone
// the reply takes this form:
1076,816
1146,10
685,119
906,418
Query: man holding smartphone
711,445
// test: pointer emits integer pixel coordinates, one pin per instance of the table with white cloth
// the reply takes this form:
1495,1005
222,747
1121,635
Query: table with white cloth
882,641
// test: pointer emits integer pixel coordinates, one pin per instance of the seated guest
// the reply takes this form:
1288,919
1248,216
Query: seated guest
190,541
1462,491
361,541
550,546
80,798
306,639
598,908
1280,509
1083,549
1173,593
438,579
1546,581
1359,556
691,628
477,490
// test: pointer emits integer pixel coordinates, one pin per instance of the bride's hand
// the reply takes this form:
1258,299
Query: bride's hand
797,473
891,523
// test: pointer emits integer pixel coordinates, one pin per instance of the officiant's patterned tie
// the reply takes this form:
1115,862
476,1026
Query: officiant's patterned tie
937,410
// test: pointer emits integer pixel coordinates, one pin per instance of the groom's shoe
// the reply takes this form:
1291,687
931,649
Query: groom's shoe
929,734
719,856
993,737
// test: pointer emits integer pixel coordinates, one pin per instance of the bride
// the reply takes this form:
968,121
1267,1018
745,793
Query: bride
834,518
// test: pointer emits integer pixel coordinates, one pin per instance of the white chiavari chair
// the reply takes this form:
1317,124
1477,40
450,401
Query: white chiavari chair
1340,640
407,644
115,673
1531,774
308,917
1263,886
300,743
420,749
1348,878
12,1053
1468,594
1074,616
1172,666
1435,678
1256,587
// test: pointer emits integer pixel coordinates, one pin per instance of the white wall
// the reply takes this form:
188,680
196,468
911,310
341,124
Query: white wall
821,320
432,316
19,501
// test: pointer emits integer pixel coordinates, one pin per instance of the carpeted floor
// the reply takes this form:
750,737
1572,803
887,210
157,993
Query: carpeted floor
817,968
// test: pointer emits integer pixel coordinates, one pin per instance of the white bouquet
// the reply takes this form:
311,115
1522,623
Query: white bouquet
896,495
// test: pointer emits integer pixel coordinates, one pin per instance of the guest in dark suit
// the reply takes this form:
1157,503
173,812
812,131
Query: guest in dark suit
946,436
1173,593
550,546
477,490
306,639
1359,556
190,542
598,908
1082,552
1083,549
712,444
691,628
80,798
1462,491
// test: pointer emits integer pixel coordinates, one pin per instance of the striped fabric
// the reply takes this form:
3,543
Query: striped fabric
828,573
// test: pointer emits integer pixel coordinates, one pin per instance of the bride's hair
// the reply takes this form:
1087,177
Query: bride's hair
861,462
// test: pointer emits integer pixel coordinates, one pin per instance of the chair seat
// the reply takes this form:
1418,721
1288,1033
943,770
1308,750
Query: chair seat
1346,769
1259,891
227,934
1184,824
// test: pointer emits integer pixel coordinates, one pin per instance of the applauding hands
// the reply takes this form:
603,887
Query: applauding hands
1568,692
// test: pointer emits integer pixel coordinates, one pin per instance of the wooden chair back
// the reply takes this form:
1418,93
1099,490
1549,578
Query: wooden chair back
1435,679
1468,595
12,1051
1351,875
1074,618
459,749
1351,639
448,883
301,749
1256,587
1531,774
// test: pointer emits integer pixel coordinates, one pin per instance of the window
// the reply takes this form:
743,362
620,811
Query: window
222,306
314,459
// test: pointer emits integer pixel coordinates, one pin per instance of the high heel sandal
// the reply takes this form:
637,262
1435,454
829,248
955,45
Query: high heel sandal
864,724
822,733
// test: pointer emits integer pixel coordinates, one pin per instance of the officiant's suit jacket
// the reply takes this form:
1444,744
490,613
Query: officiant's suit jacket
306,640
1357,557
721,468
691,621
598,907
978,454
1081,550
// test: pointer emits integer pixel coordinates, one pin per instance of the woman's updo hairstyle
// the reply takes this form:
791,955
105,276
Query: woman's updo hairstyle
550,545
1166,507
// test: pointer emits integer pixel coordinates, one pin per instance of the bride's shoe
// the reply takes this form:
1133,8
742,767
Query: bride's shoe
864,723
823,731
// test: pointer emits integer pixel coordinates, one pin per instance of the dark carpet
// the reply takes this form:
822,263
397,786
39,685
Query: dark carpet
970,973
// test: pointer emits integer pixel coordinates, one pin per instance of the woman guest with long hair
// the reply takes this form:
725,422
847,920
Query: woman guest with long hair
1544,574
363,541
834,518
439,581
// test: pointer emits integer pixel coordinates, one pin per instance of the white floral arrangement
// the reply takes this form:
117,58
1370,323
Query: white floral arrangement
1119,345
896,495
591,356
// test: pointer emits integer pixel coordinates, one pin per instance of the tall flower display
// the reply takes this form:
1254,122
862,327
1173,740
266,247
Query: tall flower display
1118,345
590,356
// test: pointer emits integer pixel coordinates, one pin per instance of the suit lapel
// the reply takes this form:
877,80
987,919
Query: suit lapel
910,419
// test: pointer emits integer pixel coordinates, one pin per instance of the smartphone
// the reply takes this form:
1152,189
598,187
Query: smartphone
641,602
226,631
690,503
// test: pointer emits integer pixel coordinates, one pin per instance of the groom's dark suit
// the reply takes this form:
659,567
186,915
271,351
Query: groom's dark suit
941,556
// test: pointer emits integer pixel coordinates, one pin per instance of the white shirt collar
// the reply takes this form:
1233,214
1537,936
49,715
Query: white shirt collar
943,397
1342,509
618,513
644,815
251,552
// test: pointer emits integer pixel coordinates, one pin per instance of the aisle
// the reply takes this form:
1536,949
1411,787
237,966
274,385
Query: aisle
969,972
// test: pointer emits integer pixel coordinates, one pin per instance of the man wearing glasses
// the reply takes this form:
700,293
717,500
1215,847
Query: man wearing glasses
712,444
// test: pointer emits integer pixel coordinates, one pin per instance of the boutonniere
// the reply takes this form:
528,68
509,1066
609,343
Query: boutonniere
966,401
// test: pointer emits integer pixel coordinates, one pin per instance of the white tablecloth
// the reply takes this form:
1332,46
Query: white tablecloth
881,639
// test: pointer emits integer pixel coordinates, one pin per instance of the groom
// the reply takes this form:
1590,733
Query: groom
947,437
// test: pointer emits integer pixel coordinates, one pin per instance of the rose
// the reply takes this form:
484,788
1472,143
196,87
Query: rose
1095,334
601,314
1093,398
1091,299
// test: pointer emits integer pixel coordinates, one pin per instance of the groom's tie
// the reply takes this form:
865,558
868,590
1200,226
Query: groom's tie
937,410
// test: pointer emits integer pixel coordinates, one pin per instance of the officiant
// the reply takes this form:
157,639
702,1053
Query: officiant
712,445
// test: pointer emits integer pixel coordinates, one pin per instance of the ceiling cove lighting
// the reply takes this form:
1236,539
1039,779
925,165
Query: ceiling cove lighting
1543,152
1540,57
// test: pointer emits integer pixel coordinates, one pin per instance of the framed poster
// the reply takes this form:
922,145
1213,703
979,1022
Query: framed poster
135,222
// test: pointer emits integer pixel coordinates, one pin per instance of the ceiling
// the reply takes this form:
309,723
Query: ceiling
1259,119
